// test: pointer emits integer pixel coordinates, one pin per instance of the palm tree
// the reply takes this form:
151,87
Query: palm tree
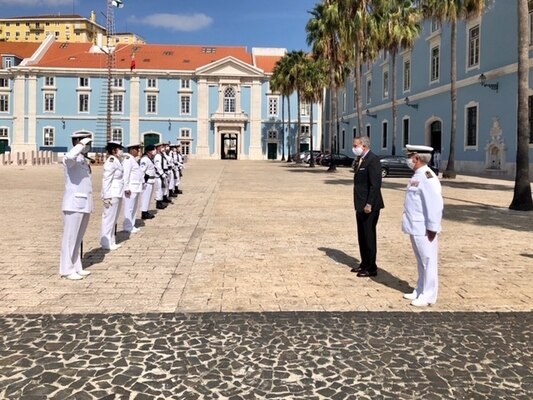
451,11
522,190
281,82
323,34
398,22
313,79
297,64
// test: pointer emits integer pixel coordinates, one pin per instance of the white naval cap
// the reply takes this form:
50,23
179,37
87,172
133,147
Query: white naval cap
114,144
80,135
418,149
129,146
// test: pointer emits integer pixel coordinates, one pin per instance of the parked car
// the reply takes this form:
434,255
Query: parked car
307,157
397,166
339,159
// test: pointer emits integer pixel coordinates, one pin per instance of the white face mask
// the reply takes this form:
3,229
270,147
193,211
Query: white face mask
357,151
410,163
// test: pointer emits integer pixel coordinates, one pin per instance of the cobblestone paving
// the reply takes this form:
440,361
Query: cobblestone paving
267,355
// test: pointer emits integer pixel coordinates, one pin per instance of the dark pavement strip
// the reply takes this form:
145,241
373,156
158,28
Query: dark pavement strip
296,355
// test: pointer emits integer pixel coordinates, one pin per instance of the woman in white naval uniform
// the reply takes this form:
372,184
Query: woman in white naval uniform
422,221
148,169
133,186
77,206
112,192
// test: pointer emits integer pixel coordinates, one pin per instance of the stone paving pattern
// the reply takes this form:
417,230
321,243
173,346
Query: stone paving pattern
242,290
267,356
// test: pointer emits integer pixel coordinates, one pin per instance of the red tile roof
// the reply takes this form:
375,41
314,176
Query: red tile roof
19,49
266,63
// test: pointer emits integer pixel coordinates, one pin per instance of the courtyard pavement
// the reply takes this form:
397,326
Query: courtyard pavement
243,289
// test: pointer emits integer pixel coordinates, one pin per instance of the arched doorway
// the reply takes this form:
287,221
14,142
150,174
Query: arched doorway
228,146
151,138
435,135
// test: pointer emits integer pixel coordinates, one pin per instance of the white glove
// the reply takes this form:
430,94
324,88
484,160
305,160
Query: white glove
85,141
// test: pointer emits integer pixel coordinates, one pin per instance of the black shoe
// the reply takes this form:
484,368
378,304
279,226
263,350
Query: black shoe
160,205
366,274
179,191
167,200
173,194
357,269
146,215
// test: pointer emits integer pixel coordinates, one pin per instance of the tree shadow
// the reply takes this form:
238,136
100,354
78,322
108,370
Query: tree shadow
383,277
526,255
475,185
485,215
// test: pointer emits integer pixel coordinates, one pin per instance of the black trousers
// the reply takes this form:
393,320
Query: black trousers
367,237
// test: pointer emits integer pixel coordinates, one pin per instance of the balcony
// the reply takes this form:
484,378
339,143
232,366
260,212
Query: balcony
224,117
36,28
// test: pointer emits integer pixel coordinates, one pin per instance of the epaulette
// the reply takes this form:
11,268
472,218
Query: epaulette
111,159
429,174
127,157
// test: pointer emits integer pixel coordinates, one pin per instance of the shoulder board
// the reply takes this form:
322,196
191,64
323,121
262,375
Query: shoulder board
429,175
127,157
111,159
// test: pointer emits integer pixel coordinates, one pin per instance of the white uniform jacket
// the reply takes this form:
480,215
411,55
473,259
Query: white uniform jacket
148,169
423,203
133,174
78,195
113,182
159,165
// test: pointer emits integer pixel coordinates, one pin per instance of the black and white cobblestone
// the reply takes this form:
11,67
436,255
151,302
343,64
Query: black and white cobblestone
267,355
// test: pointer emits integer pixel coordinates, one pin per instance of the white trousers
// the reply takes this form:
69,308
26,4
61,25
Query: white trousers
130,210
147,197
178,178
171,180
158,188
426,254
109,219
74,227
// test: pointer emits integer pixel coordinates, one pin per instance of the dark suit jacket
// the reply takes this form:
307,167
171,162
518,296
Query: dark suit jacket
367,184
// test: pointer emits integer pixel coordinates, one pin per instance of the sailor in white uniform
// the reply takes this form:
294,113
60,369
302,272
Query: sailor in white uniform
181,166
161,181
133,186
148,170
77,206
422,221
112,192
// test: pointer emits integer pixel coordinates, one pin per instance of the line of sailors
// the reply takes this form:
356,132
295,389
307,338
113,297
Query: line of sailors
128,179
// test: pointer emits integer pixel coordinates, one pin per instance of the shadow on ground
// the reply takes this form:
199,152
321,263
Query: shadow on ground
483,215
384,277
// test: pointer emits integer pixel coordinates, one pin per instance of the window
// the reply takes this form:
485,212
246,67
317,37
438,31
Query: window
49,81
185,84
473,46
530,119
4,132
4,82
471,126
343,136
185,133
354,133
368,130
185,148
118,82
406,75
435,25
385,84
272,106
344,101
116,135
84,81
185,105
305,109
405,133
354,98
49,100
83,103
435,63
4,103
304,131
273,135
229,99
384,134
118,101
151,83
48,139
368,91
151,103
8,61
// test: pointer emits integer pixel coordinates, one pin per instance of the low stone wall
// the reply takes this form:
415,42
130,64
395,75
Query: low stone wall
28,158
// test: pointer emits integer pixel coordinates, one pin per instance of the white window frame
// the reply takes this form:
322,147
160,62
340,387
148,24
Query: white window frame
273,102
432,77
385,81
80,103
343,101
229,103
4,82
151,103
435,25
2,130
49,81
5,102
48,130
83,82
185,83
151,83
305,131
118,103
185,107
8,61
46,103
186,148
117,134
305,109
472,24
467,106
117,82
185,133
406,84
368,90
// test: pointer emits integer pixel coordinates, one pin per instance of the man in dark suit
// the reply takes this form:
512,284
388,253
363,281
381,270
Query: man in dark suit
367,202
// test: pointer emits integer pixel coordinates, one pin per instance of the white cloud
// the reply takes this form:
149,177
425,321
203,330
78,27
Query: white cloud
176,22
35,3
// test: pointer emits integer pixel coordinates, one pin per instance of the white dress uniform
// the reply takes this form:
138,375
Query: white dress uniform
77,207
161,176
112,192
170,171
176,161
133,182
149,176
423,212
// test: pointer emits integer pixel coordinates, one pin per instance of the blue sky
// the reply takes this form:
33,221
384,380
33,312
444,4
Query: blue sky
252,23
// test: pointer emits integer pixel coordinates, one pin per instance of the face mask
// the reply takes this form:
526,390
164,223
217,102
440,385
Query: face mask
410,163
120,153
357,151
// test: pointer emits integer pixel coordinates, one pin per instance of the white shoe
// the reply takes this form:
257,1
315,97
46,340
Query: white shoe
112,247
135,230
410,296
420,303
73,277
84,272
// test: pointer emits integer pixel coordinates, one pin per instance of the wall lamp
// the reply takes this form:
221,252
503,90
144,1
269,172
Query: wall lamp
169,124
483,81
63,122
370,115
409,104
